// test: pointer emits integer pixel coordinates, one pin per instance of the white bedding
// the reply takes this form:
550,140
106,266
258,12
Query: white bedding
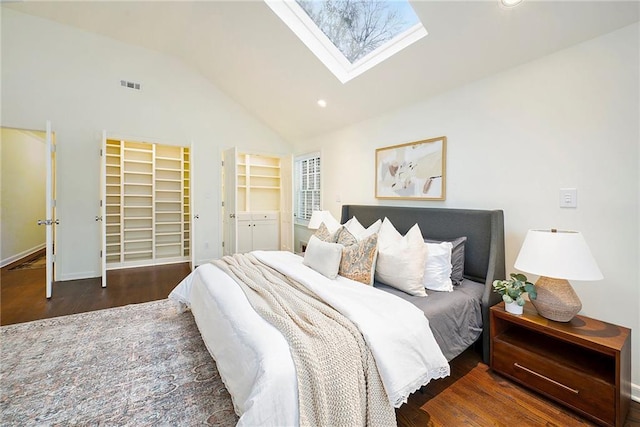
253,358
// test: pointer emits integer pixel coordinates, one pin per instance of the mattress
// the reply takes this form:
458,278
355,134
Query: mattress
455,317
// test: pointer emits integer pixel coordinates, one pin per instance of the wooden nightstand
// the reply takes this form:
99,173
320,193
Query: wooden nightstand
584,364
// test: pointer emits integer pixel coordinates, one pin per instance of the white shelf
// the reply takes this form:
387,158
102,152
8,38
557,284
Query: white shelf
144,162
139,150
253,175
145,251
130,172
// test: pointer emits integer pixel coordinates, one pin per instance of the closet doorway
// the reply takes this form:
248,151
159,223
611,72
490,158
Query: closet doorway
27,206
145,204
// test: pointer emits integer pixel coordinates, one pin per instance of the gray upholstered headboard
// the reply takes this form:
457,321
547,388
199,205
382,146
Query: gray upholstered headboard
484,249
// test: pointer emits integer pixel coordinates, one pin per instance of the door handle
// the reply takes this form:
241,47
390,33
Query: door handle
232,215
48,222
196,216
98,218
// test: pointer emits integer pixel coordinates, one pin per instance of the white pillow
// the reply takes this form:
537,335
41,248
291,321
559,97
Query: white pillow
323,257
332,224
401,259
437,269
358,230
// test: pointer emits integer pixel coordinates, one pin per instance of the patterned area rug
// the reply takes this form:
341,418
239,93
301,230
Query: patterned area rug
143,364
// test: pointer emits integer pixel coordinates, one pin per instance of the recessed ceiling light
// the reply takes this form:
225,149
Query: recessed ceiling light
322,103
510,3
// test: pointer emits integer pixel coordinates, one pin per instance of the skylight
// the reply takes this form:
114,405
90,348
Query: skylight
349,36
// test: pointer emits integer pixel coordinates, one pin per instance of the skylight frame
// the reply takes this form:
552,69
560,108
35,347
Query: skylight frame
303,26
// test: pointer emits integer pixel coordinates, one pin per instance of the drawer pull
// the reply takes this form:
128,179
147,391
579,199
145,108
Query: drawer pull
572,390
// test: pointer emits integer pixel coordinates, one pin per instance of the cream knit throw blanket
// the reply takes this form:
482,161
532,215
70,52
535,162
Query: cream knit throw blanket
338,381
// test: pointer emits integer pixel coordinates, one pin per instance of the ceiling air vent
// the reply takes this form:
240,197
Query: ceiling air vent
130,85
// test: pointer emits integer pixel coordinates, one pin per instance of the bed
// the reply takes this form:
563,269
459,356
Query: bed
484,262
254,358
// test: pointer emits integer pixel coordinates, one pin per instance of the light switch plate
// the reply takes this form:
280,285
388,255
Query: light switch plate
568,198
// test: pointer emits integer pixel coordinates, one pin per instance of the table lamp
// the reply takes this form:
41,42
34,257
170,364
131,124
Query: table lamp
557,257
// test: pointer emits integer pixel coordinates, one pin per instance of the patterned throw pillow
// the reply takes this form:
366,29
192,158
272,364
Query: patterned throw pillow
358,257
345,237
325,235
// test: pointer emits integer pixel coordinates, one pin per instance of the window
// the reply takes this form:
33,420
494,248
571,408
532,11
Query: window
350,37
307,186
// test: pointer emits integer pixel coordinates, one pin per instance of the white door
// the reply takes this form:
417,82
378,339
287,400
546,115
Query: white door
50,221
286,203
265,234
229,211
244,234
194,215
102,217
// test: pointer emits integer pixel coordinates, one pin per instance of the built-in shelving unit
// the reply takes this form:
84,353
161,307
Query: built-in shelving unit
147,204
258,183
186,202
114,201
257,198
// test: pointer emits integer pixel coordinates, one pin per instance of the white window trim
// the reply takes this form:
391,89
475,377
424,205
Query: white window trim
307,31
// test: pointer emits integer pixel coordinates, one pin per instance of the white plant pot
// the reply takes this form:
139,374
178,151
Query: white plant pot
514,308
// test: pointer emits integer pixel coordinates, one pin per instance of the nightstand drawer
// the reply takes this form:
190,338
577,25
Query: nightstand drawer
567,384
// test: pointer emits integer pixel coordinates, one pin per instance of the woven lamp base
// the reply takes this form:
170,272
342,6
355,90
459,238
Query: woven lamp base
556,299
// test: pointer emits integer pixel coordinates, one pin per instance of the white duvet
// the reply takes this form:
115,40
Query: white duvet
253,358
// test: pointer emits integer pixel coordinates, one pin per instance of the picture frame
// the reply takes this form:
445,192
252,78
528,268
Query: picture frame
412,171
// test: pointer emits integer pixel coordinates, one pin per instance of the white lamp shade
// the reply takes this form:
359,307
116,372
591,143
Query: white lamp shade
318,217
557,254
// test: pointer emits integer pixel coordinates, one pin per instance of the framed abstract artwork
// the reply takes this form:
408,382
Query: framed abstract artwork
415,170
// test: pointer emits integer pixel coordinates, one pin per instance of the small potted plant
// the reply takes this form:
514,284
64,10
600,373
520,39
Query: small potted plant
512,291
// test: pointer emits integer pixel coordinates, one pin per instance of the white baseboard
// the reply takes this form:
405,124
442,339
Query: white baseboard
16,257
635,392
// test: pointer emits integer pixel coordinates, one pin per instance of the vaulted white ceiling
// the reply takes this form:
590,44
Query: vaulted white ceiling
244,49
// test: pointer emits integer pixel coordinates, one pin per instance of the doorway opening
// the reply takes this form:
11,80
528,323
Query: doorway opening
23,180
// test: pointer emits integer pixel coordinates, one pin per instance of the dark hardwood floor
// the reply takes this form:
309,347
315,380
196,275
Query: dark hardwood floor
22,296
472,396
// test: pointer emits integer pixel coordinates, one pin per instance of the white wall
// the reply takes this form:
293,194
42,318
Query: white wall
514,139
23,193
71,77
